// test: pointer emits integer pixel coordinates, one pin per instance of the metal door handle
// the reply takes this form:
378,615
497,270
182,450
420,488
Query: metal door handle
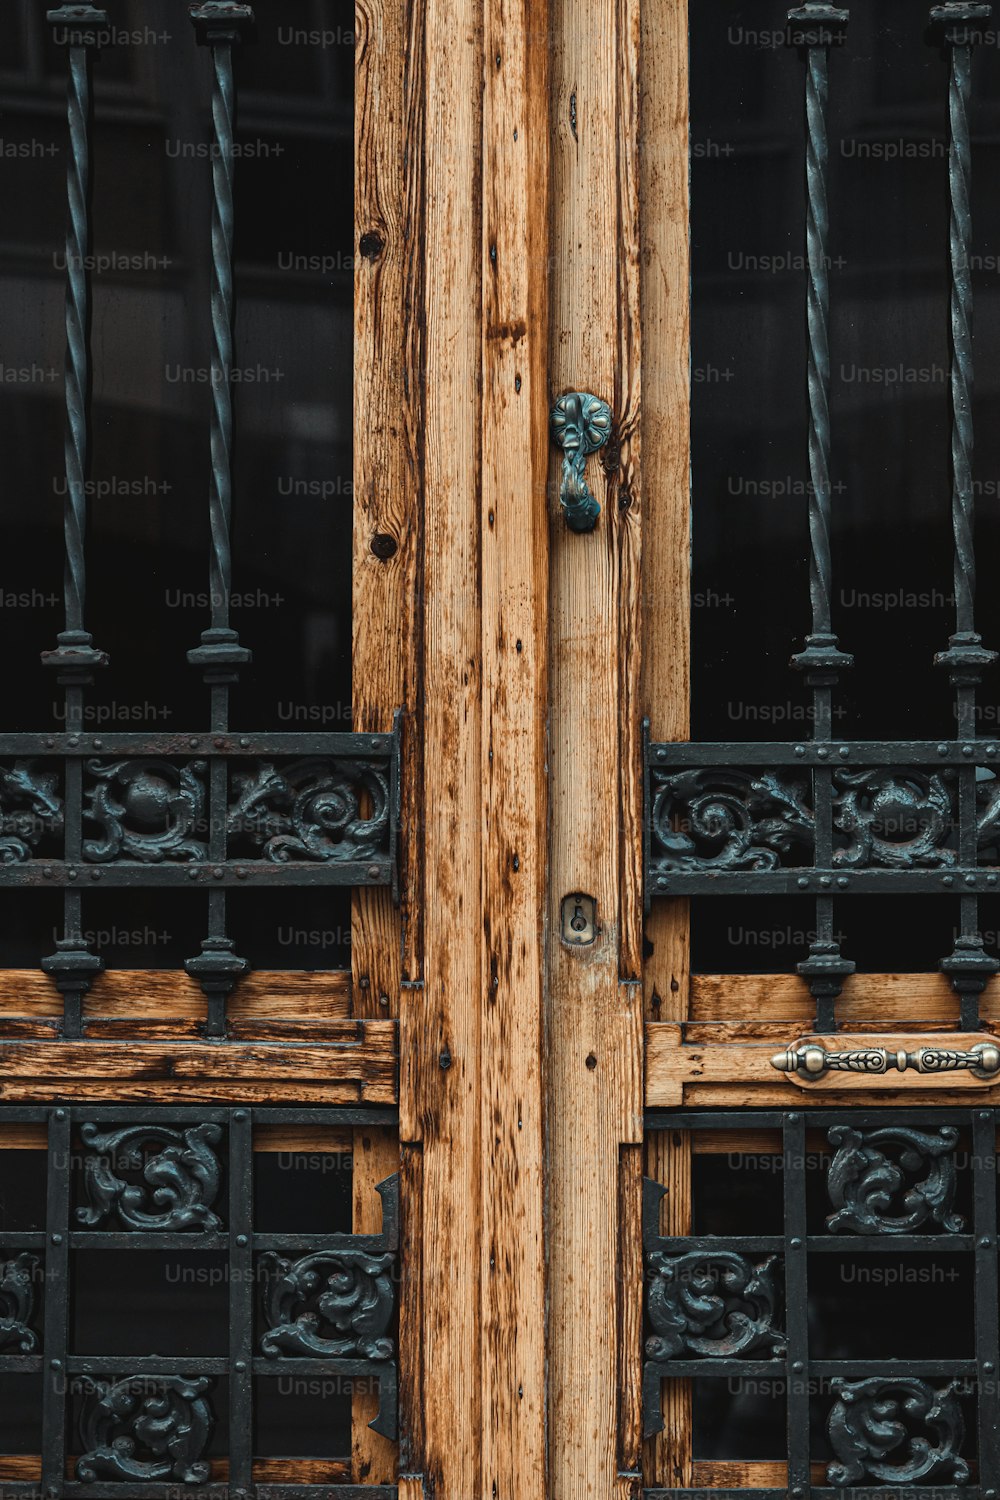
581,424
811,1061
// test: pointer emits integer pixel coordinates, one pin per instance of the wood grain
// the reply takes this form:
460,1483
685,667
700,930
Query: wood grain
441,1020
169,993
668,1458
594,1043
514,574
666,445
867,998
373,1457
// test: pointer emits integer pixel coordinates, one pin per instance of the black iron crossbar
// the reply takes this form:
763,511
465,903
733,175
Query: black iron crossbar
181,1178
736,1307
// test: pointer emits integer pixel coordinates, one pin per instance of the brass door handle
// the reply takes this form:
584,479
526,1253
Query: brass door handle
811,1061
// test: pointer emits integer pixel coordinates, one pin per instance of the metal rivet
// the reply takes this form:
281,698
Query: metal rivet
844,752
55,1364
60,1114
970,879
47,872
662,882
991,880
800,749
98,744
95,874
798,1367
445,1059
74,739
795,1244
242,1241
793,1117
57,1239
942,749
947,880
192,874
373,872
71,874
193,744
842,881
984,1114
218,872
968,750
219,743
823,753
984,1244
240,1365
245,741
50,743
802,883
825,880
241,874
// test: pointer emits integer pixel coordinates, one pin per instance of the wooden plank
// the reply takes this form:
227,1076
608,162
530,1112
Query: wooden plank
306,1138
441,1020
740,1474
594,1041
630,1310
157,993
236,1090
373,1457
867,998
667,1458
514,571
411,1315
388,415
666,445
674,1068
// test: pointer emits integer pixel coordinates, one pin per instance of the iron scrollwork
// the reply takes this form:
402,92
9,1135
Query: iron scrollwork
712,1303
871,1428
146,810
872,1192
312,809
17,1304
348,1292
180,1183
146,1429
729,820
30,807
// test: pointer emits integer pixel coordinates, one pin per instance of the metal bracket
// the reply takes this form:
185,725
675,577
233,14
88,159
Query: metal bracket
810,1061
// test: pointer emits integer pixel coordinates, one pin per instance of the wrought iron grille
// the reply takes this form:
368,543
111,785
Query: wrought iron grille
299,1304
212,809
737,1307
831,817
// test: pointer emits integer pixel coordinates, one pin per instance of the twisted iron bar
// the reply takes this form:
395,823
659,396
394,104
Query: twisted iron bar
818,323
221,496
962,435
75,25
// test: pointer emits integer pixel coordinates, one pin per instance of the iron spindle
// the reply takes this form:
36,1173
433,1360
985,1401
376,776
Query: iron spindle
814,28
220,25
968,965
77,27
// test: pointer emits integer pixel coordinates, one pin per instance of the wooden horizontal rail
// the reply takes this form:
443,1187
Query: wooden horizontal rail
28,1466
160,993
898,999
354,1063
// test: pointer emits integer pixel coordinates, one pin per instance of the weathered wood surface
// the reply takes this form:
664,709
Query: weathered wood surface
514,593
594,1043
373,1457
876,1000
161,994
441,1023
668,1455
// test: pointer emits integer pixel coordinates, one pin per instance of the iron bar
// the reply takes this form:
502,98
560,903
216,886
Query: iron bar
814,28
953,25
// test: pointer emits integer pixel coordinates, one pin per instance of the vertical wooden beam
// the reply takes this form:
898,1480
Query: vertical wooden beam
666,440
441,1022
514,625
666,570
388,391
594,1021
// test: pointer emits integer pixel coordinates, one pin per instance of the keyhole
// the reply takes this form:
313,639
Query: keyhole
578,921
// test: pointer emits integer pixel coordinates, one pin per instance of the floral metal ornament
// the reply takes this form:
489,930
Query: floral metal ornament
17,1304
871,1428
713,1303
29,808
147,810
180,1180
892,1180
312,810
147,1428
581,424
332,1304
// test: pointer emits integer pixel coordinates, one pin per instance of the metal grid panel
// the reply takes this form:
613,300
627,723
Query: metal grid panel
328,1306
883,1208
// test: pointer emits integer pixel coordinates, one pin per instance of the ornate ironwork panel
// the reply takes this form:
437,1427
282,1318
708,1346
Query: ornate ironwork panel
312,1307
730,1307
